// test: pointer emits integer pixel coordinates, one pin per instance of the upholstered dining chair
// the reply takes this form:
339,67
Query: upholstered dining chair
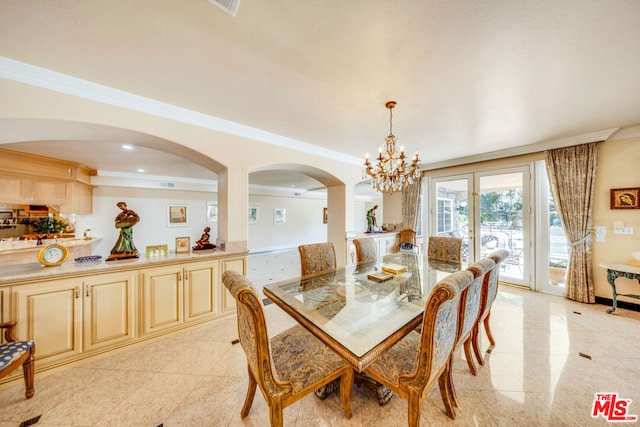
289,366
366,249
411,367
488,296
316,258
408,235
444,248
14,353
468,313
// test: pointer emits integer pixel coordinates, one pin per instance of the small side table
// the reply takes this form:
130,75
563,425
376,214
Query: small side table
620,270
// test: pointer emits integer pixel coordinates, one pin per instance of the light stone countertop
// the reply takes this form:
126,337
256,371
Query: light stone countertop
18,273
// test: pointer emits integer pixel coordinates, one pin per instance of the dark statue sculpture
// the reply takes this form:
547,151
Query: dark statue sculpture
204,242
124,247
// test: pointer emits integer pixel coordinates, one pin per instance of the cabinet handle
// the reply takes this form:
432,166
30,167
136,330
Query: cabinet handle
186,275
77,293
179,277
87,291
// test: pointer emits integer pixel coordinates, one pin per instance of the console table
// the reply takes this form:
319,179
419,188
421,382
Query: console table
620,270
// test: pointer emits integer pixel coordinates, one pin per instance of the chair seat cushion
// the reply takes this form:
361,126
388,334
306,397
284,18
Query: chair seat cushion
9,352
302,359
401,359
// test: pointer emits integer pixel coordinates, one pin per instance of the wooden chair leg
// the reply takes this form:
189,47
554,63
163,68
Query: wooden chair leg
415,407
28,371
251,392
467,354
476,344
487,329
275,413
445,393
450,387
346,387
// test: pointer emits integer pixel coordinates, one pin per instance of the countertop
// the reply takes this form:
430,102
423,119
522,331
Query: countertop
10,274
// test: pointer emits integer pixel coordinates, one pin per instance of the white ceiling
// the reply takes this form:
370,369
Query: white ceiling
469,77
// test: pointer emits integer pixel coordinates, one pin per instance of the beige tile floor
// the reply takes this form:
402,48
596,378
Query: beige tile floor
535,376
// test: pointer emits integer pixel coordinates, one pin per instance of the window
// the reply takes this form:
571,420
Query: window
445,215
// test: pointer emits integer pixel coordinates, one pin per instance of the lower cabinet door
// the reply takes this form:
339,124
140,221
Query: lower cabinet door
50,313
200,290
235,264
109,309
162,298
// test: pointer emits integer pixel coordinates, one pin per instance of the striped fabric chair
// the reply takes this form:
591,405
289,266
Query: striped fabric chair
366,249
289,366
14,353
489,292
444,248
317,258
411,367
468,317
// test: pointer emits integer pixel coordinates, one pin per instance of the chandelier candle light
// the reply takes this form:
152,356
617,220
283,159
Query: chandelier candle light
391,173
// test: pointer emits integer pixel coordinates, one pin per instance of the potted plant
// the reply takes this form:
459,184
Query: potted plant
47,225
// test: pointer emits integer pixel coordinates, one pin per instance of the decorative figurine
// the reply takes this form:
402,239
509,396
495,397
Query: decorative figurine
371,220
204,242
124,247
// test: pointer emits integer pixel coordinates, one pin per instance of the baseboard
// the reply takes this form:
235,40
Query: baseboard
621,304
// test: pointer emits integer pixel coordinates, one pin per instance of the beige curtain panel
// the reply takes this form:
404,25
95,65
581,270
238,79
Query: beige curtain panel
572,175
410,204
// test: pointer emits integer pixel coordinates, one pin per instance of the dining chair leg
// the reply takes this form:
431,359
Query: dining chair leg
450,387
445,393
487,329
251,392
415,407
476,344
346,387
275,413
28,371
469,356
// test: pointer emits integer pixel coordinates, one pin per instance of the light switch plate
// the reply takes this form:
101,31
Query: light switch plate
623,230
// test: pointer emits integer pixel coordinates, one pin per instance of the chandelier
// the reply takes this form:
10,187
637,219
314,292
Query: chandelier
391,171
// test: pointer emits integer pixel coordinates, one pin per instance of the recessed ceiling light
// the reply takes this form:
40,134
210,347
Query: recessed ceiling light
126,147
140,170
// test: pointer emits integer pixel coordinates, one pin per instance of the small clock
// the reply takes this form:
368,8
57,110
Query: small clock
53,255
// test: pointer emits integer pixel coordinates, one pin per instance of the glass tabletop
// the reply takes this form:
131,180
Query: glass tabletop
359,307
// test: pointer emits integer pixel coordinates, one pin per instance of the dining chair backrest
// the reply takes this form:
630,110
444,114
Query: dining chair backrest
316,258
444,248
366,249
408,235
491,282
470,303
440,325
15,353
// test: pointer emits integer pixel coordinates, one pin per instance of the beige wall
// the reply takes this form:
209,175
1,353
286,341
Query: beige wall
617,168
21,100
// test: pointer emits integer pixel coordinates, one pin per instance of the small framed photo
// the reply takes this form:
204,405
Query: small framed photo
253,215
212,211
279,216
325,216
177,216
625,198
156,251
182,245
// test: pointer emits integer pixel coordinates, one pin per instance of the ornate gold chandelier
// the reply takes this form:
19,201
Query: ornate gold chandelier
391,172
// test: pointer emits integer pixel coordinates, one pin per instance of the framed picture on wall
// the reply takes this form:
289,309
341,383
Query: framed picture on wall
212,211
625,198
177,216
253,215
279,216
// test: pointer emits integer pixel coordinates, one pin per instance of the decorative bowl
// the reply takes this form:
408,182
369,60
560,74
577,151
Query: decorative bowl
90,258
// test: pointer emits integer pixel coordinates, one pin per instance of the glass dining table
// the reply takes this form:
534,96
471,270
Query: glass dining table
362,310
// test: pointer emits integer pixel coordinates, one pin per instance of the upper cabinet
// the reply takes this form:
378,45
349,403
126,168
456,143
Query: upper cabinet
30,179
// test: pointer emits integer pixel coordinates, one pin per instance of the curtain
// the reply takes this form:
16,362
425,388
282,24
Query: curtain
410,204
572,175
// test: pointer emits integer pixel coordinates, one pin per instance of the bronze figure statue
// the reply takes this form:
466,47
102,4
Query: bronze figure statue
124,247
204,242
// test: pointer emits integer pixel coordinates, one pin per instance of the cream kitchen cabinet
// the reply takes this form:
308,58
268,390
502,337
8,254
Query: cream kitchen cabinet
79,198
50,313
387,244
234,264
109,309
44,192
200,296
68,317
10,189
162,298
